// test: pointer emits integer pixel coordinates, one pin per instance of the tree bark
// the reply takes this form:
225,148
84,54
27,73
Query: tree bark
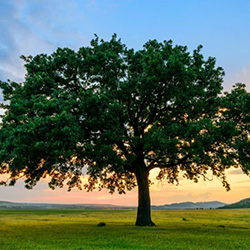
144,208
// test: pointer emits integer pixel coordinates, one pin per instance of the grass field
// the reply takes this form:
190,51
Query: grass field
77,229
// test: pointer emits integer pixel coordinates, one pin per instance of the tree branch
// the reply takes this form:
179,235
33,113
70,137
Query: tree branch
154,164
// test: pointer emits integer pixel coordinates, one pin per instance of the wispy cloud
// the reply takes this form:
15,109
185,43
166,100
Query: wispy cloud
16,38
33,27
8,43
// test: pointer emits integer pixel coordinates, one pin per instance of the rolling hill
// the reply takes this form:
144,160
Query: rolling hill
190,205
16,205
174,206
245,203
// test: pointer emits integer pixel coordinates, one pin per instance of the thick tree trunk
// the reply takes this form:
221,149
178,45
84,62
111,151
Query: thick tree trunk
144,209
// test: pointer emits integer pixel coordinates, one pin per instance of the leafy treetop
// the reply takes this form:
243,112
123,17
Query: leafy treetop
118,112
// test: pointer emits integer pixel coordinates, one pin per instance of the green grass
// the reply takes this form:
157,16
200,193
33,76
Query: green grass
77,229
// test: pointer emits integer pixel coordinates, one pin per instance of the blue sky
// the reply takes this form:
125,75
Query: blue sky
33,26
29,27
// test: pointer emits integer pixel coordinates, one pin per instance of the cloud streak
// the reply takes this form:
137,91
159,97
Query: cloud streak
33,27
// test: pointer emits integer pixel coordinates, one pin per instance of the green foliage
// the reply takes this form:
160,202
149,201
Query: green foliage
76,229
117,112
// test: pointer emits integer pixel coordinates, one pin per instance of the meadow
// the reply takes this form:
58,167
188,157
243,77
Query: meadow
77,229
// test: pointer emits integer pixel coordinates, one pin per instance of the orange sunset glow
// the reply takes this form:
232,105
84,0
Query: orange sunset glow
161,192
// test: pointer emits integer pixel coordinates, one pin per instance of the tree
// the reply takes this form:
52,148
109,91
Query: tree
121,113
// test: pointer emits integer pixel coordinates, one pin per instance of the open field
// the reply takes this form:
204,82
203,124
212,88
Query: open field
77,229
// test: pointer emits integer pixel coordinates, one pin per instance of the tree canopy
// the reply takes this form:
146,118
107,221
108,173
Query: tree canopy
120,113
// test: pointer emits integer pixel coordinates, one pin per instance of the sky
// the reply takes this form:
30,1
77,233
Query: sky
30,27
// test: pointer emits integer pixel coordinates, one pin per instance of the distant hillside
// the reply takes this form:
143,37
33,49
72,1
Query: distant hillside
245,203
174,206
191,205
16,205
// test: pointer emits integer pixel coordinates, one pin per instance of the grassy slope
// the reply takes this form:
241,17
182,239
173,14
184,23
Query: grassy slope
241,204
76,229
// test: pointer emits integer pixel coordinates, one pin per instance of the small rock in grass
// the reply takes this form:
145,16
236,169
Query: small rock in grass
221,226
101,224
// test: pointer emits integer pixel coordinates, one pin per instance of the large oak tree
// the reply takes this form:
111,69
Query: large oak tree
121,113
